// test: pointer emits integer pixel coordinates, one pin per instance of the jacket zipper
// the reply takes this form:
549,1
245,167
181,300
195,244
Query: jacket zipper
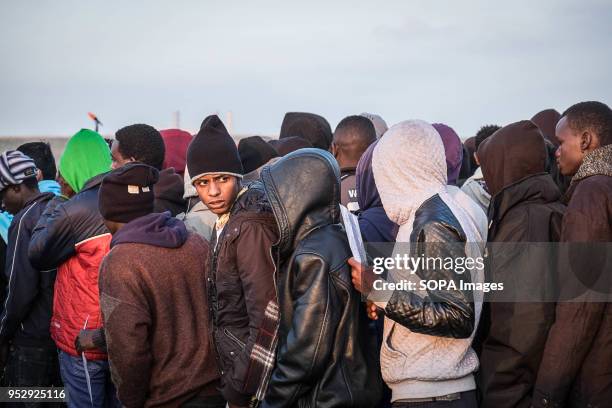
234,338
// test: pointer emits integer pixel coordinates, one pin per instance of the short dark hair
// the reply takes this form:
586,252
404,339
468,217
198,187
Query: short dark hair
359,127
30,183
42,155
142,142
483,133
593,116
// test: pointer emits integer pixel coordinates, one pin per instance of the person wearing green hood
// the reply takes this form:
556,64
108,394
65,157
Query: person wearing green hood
71,236
86,155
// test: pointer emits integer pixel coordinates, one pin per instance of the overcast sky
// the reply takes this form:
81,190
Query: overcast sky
464,63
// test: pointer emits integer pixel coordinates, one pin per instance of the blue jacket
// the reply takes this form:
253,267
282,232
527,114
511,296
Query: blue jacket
26,310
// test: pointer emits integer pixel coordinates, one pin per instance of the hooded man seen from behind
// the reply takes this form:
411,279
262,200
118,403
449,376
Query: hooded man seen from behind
352,137
176,143
524,208
426,356
289,144
144,144
470,146
322,359
156,323
73,238
374,224
254,154
26,311
375,227
240,276
453,150
309,126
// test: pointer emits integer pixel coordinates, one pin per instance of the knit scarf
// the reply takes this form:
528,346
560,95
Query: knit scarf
222,220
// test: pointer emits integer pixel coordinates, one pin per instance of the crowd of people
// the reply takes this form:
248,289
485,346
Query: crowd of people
161,269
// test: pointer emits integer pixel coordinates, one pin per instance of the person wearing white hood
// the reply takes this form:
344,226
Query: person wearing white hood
426,357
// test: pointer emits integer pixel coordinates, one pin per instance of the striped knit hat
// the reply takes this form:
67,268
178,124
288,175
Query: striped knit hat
14,168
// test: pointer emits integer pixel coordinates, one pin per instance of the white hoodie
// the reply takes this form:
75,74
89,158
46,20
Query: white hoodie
409,167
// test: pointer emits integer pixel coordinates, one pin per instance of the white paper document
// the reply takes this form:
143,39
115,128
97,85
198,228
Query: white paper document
351,225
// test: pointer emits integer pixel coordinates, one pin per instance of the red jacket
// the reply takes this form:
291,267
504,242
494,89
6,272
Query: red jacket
72,237
76,303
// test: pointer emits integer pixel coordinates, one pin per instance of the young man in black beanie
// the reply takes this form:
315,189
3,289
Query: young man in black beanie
156,330
241,273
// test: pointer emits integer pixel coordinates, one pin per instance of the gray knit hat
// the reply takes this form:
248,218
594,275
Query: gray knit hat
380,126
14,168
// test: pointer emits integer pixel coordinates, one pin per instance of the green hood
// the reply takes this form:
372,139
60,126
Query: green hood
86,155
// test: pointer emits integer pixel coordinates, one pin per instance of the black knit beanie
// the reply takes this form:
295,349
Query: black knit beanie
127,193
212,151
309,126
254,152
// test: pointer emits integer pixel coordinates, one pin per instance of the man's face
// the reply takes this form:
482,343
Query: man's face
11,199
118,160
218,191
570,152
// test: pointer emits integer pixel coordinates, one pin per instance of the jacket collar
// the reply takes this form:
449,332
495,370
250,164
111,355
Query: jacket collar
38,197
94,181
598,162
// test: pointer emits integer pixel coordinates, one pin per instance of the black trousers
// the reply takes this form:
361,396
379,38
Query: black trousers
32,367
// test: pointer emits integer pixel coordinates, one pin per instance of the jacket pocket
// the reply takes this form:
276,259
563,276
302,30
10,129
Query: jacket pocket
234,338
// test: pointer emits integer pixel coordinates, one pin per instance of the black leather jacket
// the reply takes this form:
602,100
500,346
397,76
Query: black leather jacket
444,313
321,359
55,236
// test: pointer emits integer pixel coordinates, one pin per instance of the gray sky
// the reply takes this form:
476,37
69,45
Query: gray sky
464,63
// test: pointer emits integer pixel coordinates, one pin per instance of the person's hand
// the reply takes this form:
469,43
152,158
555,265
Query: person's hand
363,277
373,310
84,341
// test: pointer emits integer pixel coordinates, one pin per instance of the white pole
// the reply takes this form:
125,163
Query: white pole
228,122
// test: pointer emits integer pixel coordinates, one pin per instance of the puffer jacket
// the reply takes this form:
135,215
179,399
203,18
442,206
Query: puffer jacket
322,358
72,237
